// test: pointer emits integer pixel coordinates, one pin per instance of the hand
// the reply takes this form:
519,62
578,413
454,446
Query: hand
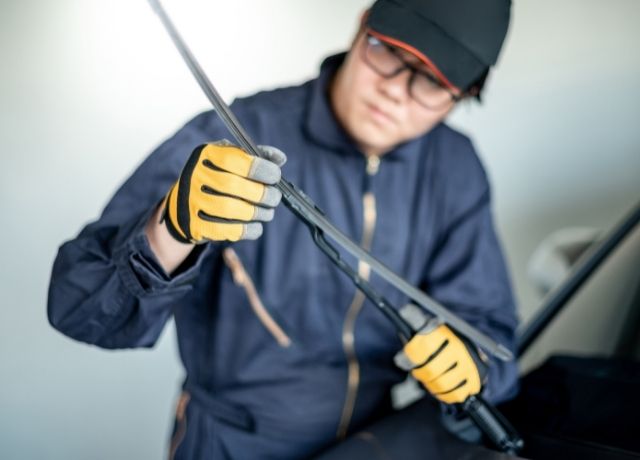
223,193
449,366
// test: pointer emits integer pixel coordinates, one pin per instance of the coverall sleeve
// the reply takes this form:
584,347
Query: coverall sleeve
468,274
107,288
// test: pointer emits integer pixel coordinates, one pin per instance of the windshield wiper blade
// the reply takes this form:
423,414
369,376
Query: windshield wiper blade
302,206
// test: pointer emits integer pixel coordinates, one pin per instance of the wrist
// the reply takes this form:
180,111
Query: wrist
169,251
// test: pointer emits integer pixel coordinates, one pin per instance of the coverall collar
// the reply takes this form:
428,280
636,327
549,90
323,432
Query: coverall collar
322,126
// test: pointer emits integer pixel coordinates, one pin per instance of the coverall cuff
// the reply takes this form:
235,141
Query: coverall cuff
140,270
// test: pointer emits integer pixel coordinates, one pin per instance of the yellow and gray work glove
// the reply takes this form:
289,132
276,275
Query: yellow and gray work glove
223,193
448,366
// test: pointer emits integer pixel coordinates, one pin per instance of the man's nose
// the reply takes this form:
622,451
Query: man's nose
397,86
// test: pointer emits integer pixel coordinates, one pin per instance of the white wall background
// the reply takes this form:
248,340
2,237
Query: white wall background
88,87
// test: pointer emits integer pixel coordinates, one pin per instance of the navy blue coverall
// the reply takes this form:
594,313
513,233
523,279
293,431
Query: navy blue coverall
263,325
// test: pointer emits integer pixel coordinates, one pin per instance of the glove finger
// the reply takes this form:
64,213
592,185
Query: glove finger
273,154
220,231
424,347
459,395
454,379
228,207
234,160
447,381
234,185
402,361
434,368
450,387
414,316
465,364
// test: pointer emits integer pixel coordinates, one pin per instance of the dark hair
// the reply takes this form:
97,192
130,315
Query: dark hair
475,89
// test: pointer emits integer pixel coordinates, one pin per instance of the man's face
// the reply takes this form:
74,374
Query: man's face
378,112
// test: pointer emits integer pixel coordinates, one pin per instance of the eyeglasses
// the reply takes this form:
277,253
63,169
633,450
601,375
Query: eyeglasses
423,86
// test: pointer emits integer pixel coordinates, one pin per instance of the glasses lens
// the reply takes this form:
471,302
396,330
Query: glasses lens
427,91
381,59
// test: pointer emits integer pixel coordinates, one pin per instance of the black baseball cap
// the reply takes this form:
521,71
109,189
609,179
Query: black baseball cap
460,38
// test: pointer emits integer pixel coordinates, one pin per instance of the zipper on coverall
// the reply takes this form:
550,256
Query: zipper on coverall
348,338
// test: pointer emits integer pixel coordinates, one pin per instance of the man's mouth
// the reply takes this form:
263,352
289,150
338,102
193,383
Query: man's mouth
379,115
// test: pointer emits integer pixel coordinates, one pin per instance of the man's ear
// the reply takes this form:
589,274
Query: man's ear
476,89
474,92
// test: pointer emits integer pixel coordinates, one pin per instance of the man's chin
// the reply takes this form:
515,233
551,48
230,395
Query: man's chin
375,148
376,139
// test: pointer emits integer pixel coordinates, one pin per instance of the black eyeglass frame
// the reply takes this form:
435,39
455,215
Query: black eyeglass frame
371,40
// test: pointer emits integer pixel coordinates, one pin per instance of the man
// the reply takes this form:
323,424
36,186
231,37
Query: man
281,353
